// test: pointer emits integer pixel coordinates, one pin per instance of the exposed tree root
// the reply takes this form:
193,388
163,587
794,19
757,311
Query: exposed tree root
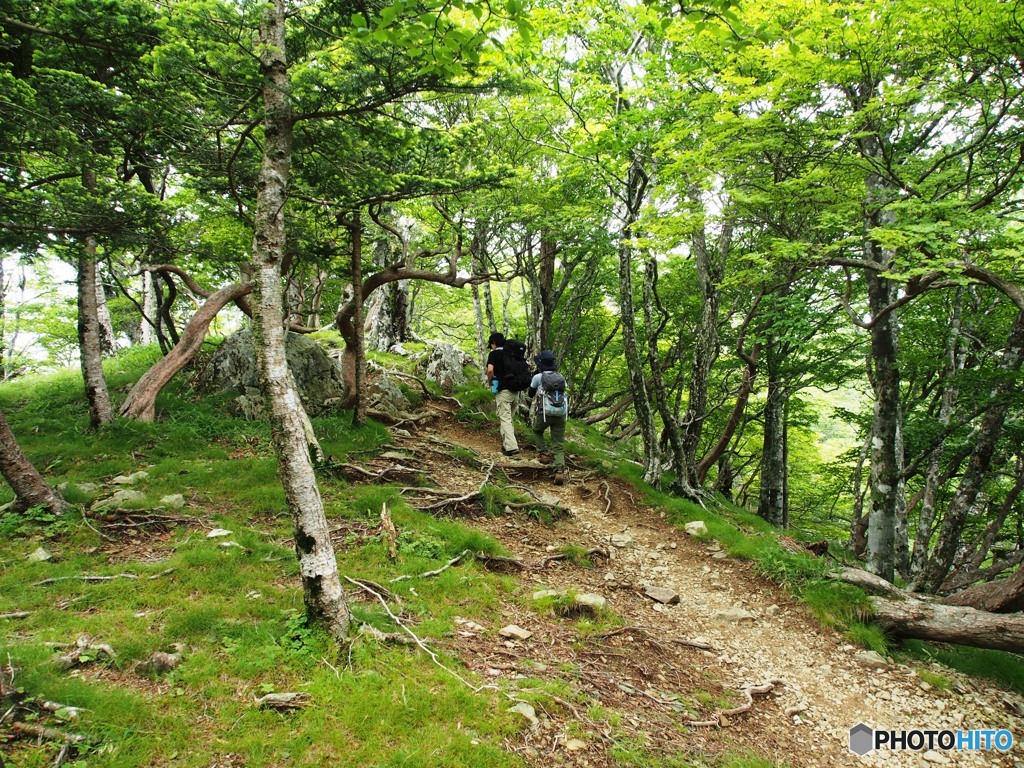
721,718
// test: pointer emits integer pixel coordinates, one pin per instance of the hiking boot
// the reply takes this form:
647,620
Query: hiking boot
559,478
545,458
513,452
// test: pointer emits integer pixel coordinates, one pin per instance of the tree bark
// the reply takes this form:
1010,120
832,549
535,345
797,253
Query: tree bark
30,489
89,334
978,466
141,401
321,584
636,186
771,503
912,618
355,226
1003,596
705,348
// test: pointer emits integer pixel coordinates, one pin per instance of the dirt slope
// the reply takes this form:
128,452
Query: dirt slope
653,673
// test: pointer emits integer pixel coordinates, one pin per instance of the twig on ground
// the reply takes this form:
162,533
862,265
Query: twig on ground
498,562
442,569
15,615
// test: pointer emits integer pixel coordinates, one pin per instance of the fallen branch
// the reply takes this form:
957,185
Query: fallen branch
384,637
81,649
748,691
40,732
15,615
55,579
442,569
422,646
283,701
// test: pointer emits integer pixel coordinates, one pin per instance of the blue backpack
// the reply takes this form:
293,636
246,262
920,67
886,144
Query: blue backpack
554,401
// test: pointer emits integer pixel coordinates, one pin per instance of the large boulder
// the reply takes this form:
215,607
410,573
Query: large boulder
444,365
233,369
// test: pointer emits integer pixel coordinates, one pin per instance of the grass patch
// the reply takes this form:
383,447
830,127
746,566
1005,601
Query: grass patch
1004,668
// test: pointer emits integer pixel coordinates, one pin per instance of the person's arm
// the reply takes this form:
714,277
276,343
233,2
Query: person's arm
490,374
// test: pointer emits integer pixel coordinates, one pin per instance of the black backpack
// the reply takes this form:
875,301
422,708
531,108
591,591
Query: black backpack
516,376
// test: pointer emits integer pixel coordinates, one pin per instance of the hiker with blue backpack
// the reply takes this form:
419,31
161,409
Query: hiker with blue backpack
551,409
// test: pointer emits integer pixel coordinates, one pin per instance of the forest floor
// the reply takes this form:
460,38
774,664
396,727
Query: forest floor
651,662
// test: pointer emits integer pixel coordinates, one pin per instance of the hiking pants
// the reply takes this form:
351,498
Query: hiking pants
557,443
506,402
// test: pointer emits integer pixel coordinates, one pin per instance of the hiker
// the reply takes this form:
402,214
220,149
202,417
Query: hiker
551,409
508,374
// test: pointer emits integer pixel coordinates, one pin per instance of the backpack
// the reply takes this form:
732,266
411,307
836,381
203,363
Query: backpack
552,391
516,376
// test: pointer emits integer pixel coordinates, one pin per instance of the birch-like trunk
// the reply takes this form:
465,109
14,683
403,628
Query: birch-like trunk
359,350
293,440
636,185
149,309
709,268
106,324
89,333
30,489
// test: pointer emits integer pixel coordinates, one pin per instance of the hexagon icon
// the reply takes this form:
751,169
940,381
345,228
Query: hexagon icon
862,739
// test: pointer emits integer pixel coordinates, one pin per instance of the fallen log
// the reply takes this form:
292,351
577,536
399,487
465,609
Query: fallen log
1003,596
924,620
912,616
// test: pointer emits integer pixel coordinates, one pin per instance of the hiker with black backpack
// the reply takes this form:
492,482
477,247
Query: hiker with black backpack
551,409
508,374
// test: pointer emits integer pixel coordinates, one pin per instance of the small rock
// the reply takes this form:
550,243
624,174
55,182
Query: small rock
40,556
524,709
575,745
662,595
772,610
159,664
622,540
217,533
542,594
931,756
871,660
518,633
924,686
720,555
596,602
696,528
134,477
174,501
122,497
736,613
231,545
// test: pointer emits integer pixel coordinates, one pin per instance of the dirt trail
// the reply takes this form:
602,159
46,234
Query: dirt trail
803,721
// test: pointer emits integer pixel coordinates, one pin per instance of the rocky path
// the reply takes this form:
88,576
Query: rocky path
817,685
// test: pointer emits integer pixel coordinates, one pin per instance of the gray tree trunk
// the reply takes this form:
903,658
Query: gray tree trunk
951,388
709,268
293,440
149,309
636,186
359,350
30,489
107,343
89,333
771,503
978,465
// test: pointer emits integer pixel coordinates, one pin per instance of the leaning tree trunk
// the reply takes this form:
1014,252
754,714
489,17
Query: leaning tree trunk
30,489
89,334
321,584
141,401
978,466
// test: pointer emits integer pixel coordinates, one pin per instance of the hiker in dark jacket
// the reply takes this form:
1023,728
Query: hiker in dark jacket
504,399
550,410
